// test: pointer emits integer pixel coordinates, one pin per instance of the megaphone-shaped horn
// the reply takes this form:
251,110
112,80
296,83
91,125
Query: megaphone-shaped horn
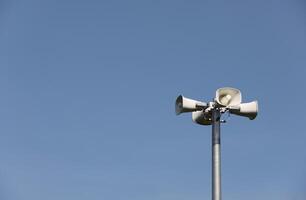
183,104
249,110
228,96
201,117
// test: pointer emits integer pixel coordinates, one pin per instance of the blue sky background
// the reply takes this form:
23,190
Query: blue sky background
88,91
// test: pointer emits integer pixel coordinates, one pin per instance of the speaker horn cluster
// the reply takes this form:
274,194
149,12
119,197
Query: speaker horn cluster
226,99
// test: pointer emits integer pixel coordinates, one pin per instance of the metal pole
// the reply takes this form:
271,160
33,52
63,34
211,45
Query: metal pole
216,156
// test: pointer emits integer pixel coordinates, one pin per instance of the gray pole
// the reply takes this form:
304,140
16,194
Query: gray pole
216,157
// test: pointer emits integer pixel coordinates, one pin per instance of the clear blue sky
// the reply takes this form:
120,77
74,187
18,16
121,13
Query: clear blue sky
88,90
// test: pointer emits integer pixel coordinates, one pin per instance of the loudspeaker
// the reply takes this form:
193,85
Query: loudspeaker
249,110
228,96
183,104
200,117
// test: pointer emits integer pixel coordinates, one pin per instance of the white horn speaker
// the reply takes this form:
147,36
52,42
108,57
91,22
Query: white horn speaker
201,117
249,110
183,104
228,96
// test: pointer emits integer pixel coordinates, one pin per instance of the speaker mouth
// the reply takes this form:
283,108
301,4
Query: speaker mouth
256,113
179,105
228,96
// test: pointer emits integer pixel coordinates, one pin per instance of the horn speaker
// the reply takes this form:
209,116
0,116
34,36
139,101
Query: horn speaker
228,96
183,104
249,110
201,117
